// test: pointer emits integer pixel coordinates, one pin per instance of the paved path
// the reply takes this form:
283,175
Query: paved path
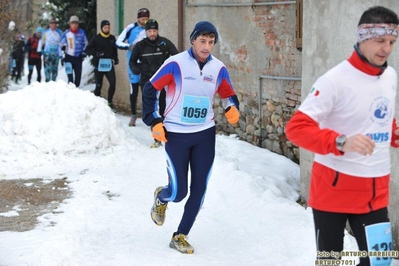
23,200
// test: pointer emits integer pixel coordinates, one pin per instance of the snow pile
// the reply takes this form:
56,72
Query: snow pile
46,120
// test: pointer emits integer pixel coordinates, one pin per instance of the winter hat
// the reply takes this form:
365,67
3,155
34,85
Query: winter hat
143,12
39,29
203,26
151,24
104,23
53,20
74,19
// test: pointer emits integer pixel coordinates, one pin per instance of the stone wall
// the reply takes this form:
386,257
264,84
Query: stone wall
275,67
268,129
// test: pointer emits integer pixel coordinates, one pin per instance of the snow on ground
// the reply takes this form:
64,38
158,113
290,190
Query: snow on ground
54,130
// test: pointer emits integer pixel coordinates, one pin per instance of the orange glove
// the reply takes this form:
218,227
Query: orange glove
232,114
159,132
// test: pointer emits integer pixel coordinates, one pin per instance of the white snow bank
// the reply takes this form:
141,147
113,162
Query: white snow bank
44,121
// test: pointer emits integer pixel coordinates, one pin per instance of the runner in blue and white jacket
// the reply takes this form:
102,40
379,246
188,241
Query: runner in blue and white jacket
131,35
191,80
49,46
75,41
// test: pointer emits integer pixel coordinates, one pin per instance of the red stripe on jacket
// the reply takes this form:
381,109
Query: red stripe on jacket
331,190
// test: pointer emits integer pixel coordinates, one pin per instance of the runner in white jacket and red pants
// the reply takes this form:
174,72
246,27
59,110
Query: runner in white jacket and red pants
348,121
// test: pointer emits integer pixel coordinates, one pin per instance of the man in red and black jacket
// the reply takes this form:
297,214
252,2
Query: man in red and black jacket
348,121
34,57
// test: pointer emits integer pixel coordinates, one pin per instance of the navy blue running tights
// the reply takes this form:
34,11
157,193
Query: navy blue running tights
184,150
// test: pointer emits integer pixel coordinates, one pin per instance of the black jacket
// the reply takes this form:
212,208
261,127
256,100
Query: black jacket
151,55
102,47
18,50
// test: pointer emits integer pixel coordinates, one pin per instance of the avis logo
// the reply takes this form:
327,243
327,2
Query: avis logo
379,137
380,111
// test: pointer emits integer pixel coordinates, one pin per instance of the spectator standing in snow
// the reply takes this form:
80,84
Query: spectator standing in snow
18,57
75,41
34,55
348,121
130,35
49,46
191,79
105,55
147,56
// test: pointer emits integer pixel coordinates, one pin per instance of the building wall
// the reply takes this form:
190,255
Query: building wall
258,41
329,33
255,40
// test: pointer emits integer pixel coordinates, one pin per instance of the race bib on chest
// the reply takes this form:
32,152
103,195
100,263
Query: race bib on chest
104,65
52,49
379,243
13,63
194,109
68,68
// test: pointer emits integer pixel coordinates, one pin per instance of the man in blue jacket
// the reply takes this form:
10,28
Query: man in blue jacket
74,50
131,35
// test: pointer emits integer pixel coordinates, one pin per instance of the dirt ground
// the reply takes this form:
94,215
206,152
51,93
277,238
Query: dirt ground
23,200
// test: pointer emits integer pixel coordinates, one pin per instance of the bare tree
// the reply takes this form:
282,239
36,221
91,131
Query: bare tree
10,19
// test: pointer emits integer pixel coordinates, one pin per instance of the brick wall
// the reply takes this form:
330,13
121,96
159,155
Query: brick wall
274,55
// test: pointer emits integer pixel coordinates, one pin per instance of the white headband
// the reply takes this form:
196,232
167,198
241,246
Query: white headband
372,30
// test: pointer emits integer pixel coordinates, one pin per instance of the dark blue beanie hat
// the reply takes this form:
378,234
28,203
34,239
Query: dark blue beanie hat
203,26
